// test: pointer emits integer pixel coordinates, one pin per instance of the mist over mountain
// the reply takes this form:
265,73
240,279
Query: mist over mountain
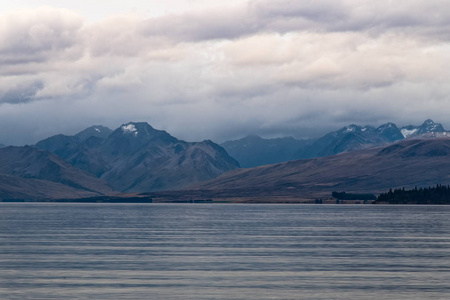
138,158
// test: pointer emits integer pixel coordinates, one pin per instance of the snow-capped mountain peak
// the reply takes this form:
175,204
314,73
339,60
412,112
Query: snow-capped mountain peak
129,128
429,127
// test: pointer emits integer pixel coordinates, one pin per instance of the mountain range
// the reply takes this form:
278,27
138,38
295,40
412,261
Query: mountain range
253,151
137,158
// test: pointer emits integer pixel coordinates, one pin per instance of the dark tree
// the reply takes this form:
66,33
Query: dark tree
431,195
353,196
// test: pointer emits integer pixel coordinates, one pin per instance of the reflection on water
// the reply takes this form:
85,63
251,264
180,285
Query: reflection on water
201,251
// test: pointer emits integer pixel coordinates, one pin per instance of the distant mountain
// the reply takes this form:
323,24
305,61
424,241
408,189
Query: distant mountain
350,138
389,132
428,129
2,146
253,150
407,163
138,158
30,173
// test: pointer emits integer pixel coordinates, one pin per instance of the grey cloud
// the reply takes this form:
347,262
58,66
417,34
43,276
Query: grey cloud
317,11
22,93
285,16
236,22
195,26
359,15
21,58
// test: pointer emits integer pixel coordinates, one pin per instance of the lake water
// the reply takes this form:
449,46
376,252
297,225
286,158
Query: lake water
209,251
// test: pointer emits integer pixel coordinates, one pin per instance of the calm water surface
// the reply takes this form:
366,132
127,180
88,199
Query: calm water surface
195,251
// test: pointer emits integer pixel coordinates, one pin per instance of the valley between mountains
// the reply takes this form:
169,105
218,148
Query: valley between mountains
139,161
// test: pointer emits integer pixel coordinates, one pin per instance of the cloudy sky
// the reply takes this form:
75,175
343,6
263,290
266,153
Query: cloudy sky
203,70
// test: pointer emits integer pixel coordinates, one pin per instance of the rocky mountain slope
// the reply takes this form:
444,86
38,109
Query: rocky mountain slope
407,163
30,173
138,158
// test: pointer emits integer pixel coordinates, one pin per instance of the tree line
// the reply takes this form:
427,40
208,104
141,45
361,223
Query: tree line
353,196
431,195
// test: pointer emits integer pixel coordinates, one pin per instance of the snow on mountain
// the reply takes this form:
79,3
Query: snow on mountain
408,132
351,128
428,129
255,151
129,128
350,138
429,126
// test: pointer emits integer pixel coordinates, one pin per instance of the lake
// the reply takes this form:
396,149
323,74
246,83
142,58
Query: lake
223,251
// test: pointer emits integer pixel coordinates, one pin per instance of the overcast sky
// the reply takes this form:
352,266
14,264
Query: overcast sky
202,70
